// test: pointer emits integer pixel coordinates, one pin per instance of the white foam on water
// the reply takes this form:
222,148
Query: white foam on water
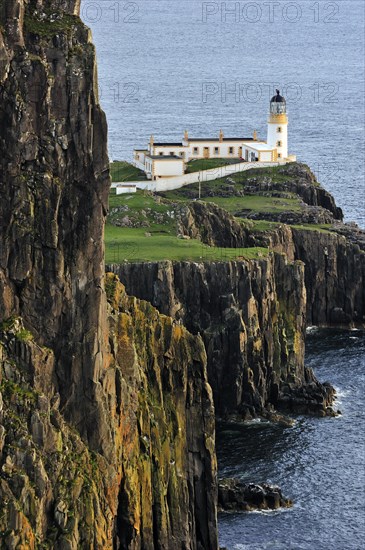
312,328
270,512
340,392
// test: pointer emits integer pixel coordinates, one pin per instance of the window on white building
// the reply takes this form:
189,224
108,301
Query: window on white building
216,150
196,150
278,144
231,150
172,153
278,129
279,155
161,154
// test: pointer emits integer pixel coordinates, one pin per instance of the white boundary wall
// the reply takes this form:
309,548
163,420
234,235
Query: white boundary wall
124,189
169,184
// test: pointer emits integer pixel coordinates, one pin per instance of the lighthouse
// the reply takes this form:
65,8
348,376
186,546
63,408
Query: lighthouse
163,160
277,126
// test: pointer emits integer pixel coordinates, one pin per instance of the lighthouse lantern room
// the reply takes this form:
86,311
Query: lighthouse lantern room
277,126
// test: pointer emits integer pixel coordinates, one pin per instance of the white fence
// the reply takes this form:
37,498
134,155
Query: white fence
175,182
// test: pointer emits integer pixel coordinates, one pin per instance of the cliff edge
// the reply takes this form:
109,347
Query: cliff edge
295,264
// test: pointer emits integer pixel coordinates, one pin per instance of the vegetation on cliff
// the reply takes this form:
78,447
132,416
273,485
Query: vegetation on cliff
143,227
252,315
58,493
106,415
124,171
258,200
282,208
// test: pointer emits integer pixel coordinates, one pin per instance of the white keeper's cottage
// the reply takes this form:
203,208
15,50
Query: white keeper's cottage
163,160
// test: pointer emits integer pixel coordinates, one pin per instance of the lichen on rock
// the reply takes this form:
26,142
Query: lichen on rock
160,488
107,431
251,315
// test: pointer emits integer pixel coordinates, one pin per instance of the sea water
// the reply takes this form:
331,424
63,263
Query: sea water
319,463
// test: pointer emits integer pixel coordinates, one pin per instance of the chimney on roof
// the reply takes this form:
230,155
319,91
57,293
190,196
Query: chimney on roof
221,135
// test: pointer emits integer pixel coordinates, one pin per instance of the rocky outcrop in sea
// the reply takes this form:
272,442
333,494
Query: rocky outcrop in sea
236,496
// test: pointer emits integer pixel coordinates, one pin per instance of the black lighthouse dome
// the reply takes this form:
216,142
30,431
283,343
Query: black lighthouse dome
278,104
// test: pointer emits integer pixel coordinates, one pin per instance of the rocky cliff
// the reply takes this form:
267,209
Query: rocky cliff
334,276
334,263
312,231
211,224
252,318
106,416
53,194
252,315
159,491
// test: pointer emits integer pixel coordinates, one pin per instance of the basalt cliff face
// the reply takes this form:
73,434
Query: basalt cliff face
252,318
334,265
334,275
333,254
156,488
106,415
53,195
252,315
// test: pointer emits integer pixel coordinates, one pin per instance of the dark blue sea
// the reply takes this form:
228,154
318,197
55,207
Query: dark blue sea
170,65
319,463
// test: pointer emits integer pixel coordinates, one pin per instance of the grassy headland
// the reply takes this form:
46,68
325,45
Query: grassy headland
143,226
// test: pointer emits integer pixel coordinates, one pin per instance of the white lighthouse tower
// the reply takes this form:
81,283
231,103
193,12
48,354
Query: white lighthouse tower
277,127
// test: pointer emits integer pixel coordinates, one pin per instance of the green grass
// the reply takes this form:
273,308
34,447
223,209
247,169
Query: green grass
322,228
48,28
255,203
24,335
262,225
157,239
132,245
219,191
274,174
142,208
138,201
124,171
153,232
206,164
24,394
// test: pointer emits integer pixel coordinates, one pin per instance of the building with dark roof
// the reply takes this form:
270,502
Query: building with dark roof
169,159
